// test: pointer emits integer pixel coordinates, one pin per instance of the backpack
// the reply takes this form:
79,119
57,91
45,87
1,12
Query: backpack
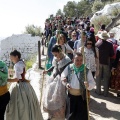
115,46
3,73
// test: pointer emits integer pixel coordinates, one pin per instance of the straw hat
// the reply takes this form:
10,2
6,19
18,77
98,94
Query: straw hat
104,35
99,32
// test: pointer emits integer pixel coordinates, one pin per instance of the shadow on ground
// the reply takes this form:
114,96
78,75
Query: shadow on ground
100,108
111,97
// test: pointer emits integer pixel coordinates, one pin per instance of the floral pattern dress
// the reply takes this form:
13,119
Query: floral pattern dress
90,59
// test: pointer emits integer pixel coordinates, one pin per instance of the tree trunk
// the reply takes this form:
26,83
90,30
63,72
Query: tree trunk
113,23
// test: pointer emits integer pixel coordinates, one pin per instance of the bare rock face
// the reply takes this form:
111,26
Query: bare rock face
116,30
107,11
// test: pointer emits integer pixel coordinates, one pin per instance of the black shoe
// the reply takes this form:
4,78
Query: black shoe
105,95
118,94
97,93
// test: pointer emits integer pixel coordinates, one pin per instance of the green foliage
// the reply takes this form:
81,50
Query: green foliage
74,9
30,62
84,8
59,12
97,5
70,9
33,30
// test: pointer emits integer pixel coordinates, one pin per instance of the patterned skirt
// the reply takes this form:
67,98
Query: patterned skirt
115,78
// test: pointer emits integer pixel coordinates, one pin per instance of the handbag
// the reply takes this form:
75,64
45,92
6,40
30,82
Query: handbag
48,65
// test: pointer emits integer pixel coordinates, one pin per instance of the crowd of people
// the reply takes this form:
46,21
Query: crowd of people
78,61
95,52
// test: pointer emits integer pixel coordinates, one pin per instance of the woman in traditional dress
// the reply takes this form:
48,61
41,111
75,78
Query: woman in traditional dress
23,104
54,98
115,78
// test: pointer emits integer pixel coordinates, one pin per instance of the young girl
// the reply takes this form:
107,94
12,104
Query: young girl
23,103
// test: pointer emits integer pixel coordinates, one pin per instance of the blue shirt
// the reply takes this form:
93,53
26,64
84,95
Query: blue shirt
52,42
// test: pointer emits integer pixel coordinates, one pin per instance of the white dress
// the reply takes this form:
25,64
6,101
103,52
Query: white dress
23,104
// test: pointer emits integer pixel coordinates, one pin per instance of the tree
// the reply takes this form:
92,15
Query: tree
84,8
97,5
70,9
74,9
33,30
59,12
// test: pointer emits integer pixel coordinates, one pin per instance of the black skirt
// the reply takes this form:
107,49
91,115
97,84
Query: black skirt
4,99
77,108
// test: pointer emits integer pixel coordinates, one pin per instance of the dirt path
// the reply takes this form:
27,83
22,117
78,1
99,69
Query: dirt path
101,108
104,108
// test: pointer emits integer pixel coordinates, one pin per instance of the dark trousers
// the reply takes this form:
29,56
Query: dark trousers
4,99
93,74
104,74
78,108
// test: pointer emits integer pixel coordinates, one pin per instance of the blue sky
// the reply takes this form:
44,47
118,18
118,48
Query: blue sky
16,14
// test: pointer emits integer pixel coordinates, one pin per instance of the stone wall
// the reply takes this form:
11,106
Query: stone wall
25,43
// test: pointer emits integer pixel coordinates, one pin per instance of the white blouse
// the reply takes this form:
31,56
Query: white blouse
18,68
74,83
66,48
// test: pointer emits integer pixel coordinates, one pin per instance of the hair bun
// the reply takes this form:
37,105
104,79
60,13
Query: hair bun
56,48
60,47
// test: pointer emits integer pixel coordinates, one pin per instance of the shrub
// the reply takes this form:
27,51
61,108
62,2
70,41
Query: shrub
30,62
97,5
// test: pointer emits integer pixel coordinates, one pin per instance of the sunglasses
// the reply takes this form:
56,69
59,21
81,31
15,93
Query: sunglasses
74,35
89,43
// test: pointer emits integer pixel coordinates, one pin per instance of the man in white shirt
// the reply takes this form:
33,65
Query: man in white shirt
76,85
